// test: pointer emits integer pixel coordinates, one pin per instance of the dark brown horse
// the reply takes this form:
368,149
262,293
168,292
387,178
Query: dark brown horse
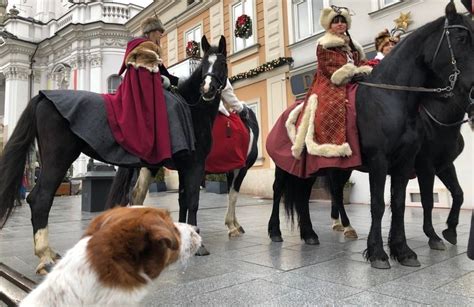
59,146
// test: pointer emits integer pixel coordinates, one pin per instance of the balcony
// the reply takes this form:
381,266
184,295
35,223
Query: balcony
184,68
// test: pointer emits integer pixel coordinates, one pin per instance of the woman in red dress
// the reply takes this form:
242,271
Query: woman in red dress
322,130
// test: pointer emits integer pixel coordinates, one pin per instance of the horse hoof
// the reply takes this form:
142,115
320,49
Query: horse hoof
241,229
337,227
437,245
202,251
312,241
450,236
411,262
380,264
276,238
234,233
44,268
350,234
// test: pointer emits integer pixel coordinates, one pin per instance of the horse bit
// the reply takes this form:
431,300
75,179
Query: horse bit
447,90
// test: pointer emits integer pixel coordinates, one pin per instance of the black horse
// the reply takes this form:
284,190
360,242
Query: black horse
59,146
391,127
119,193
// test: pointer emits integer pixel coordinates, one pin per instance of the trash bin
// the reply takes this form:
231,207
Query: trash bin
95,189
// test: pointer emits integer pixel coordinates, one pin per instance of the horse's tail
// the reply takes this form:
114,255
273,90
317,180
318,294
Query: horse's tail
296,194
13,159
119,191
252,124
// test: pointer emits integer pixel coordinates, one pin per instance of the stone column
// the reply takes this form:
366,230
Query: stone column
16,94
96,73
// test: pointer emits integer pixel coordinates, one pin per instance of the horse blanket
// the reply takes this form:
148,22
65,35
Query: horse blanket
230,144
280,141
87,117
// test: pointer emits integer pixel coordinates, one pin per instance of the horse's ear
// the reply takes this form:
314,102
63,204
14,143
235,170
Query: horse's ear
468,4
205,44
450,10
223,46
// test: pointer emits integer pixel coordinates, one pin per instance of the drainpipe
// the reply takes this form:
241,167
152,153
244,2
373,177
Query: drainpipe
32,60
31,158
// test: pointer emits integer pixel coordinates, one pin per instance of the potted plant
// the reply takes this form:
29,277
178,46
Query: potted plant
216,183
159,184
65,186
347,191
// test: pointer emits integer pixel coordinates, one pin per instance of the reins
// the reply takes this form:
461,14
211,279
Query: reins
452,78
447,90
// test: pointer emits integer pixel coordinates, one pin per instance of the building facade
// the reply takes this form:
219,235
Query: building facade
289,28
59,44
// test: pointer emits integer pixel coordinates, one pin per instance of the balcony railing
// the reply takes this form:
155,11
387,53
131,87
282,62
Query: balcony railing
185,68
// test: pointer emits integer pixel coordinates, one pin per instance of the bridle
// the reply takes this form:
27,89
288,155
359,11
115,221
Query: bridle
447,90
219,89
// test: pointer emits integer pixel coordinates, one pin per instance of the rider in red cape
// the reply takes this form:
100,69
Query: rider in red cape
321,132
137,112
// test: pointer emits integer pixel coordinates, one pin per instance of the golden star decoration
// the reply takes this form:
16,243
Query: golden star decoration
403,21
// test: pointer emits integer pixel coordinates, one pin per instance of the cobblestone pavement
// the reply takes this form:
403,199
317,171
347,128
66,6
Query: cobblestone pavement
250,270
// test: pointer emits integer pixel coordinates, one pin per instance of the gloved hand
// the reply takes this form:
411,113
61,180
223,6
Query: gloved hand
358,77
165,82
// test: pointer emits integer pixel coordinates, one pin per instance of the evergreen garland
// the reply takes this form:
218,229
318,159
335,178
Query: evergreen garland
262,68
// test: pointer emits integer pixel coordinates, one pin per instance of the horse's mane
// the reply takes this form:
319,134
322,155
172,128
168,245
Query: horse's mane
408,48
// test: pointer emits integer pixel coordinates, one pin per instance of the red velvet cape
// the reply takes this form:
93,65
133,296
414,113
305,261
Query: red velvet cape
230,144
137,113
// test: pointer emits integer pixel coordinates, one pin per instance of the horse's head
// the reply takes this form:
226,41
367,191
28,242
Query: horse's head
214,69
449,52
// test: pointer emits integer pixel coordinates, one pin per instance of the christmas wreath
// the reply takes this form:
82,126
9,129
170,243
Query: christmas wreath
243,26
192,49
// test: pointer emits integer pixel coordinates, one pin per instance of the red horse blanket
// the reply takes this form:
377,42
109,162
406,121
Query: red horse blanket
230,144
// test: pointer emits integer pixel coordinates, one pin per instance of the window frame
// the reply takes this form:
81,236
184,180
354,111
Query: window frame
311,19
111,90
251,41
382,3
198,40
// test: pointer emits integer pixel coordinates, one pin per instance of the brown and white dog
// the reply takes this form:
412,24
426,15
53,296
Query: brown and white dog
122,251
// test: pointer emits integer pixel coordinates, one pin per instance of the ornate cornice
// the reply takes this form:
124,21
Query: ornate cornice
95,60
16,73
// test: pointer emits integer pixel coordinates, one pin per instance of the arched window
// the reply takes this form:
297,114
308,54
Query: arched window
112,83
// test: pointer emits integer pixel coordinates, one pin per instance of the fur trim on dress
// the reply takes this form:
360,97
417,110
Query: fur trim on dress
299,140
324,150
331,40
345,73
290,123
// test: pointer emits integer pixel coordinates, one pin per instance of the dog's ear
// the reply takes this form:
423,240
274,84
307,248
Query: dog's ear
163,234
162,244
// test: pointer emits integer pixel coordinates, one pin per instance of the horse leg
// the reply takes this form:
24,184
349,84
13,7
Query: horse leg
426,181
230,218
274,231
450,180
302,208
141,187
397,241
189,186
375,253
337,180
59,147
